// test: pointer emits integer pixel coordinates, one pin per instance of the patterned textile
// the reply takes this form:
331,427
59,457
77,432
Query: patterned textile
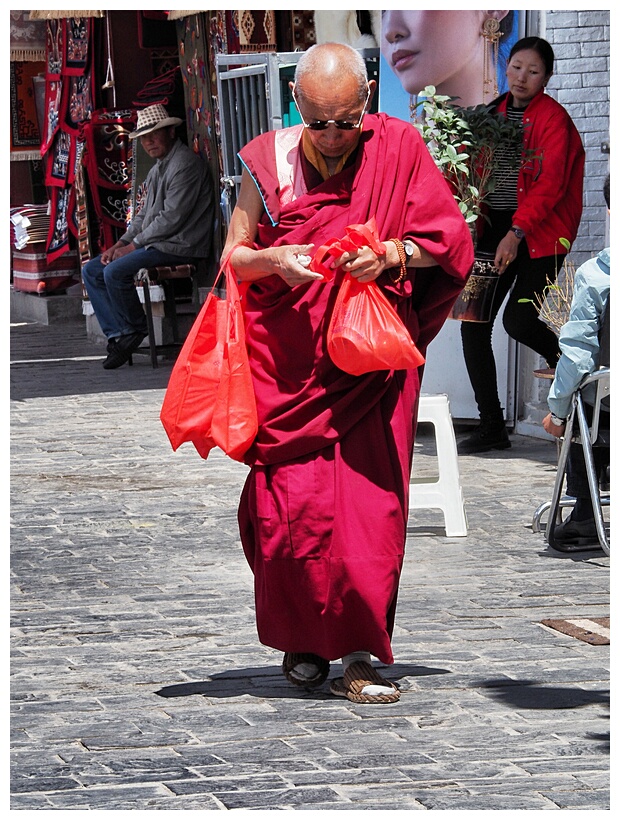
81,224
60,158
77,101
164,60
27,37
58,237
55,47
193,57
217,45
53,14
250,31
107,160
77,37
53,96
69,101
304,32
161,89
33,273
25,135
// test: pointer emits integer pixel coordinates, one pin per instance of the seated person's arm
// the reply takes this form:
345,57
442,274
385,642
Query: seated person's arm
181,195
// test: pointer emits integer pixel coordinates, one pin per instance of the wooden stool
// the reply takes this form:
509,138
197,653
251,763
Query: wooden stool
163,276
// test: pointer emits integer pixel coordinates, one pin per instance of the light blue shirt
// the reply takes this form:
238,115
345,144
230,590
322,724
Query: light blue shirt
579,337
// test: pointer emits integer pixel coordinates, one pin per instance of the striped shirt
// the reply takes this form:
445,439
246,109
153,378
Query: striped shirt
504,197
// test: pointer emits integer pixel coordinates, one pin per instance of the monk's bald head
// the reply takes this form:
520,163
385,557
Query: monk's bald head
333,66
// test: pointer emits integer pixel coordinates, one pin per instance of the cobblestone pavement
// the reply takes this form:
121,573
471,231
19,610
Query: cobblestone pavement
137,678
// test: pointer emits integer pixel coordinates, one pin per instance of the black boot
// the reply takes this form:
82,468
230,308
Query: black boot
490,434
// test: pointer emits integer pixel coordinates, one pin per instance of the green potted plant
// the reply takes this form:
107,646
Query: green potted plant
465,144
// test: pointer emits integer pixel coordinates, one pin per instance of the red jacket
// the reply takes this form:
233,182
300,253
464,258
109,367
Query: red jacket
550,187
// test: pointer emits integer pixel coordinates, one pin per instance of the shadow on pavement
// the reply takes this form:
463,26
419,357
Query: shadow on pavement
53,360
268,682
525,694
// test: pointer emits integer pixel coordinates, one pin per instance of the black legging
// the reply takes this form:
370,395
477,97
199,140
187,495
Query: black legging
527,277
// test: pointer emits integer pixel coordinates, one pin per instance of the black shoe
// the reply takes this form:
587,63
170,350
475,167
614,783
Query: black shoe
486,437
122,350
576,536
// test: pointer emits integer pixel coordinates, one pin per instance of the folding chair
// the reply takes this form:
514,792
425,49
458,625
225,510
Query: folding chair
589,435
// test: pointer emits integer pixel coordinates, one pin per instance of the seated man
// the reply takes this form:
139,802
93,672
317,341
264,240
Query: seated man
173,227
582,353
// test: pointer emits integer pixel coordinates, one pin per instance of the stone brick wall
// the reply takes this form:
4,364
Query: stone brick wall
581,41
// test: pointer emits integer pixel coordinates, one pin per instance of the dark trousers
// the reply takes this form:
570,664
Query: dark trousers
525,278
576,476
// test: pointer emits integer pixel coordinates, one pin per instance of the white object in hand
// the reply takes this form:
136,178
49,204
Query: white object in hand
303,259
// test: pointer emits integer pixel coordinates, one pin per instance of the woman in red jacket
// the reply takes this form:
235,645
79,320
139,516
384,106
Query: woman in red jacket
535,207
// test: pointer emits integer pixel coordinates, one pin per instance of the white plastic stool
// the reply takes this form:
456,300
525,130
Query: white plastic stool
443,491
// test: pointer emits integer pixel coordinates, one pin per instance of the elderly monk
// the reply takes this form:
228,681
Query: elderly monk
324,509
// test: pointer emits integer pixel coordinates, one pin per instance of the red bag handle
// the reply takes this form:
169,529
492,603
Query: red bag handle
356,236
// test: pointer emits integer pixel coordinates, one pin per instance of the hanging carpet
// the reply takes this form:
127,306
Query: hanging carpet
107,160
27,37
25,134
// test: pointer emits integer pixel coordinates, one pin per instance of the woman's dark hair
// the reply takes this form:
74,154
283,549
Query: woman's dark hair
540,46
606,186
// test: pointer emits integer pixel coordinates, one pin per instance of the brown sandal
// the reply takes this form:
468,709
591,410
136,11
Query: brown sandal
293,659
357,676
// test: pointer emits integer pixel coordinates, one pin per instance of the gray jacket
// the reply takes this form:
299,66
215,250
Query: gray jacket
178,214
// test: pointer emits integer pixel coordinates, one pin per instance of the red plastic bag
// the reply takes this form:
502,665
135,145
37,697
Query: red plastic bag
210,397
356,236
365,333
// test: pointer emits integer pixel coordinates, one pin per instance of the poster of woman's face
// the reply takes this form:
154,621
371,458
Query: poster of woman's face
462,53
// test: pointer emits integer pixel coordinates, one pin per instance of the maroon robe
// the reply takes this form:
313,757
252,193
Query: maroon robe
324,510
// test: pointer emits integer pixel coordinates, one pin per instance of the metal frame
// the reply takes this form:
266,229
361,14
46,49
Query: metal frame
588,435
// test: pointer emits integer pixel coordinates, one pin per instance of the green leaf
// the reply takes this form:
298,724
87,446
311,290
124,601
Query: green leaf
564,242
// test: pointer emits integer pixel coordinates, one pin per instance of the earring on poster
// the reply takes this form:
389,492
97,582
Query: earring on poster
491,34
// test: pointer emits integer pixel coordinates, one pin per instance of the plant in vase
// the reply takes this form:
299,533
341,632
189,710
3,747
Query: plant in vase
476,150
473,147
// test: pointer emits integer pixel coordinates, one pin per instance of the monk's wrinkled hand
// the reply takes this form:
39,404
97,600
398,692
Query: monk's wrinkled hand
364,264
291,263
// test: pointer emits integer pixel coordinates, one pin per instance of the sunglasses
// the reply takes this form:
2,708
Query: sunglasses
341,125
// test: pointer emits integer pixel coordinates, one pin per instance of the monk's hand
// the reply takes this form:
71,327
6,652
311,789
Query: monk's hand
363,264
291,262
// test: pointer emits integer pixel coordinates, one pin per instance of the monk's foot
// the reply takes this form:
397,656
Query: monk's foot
362,683
305,668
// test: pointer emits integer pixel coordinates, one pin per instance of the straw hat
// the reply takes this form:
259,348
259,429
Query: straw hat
151,119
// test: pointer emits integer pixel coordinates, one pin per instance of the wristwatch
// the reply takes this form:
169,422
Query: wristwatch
557,421
518,232
409,248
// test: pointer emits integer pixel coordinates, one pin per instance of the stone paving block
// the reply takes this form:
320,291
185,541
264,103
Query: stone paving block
42,784
281,799
123,798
